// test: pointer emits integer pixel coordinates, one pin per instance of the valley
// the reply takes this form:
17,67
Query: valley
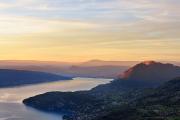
120,95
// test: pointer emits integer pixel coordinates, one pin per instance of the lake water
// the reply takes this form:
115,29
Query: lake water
11,107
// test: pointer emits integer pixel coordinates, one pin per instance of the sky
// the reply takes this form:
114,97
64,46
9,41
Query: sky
80,30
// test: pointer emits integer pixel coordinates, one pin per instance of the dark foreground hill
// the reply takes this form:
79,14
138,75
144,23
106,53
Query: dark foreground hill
162,103
10,78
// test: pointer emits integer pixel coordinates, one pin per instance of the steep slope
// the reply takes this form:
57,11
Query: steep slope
9,78
152,71
142,75
162,103
168,94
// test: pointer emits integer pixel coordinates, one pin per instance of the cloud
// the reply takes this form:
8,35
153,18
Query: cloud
96,10
122,19
101,26
11,25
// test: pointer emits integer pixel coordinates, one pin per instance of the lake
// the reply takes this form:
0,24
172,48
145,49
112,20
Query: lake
11,107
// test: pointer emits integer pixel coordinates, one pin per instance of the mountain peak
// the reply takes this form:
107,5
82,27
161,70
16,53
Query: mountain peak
152,71
150,62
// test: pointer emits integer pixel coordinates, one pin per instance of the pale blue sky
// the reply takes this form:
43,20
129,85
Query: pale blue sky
90,9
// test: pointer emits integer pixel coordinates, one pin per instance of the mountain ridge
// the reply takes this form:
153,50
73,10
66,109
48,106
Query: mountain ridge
12,78
151,70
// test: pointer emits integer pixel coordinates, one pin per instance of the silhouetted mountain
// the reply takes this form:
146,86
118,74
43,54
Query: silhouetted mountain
144,75
9,78
107,63
152,71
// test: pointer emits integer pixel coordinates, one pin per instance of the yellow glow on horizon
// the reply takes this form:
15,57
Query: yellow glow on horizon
29,38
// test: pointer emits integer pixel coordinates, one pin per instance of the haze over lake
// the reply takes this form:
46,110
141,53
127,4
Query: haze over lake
11,107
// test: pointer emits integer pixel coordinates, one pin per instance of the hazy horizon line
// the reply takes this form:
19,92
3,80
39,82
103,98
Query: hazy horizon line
90,60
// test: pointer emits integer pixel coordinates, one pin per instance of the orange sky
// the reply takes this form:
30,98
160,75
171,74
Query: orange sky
46,30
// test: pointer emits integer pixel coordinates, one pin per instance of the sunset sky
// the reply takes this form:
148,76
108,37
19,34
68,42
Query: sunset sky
80,30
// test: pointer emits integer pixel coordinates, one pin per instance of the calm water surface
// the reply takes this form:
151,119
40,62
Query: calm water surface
11,107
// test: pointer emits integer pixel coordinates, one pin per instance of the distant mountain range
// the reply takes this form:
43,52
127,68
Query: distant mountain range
140,93
92,68
11,78
107,63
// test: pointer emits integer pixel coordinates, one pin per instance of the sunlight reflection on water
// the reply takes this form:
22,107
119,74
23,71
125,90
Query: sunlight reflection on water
11,107
17,94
